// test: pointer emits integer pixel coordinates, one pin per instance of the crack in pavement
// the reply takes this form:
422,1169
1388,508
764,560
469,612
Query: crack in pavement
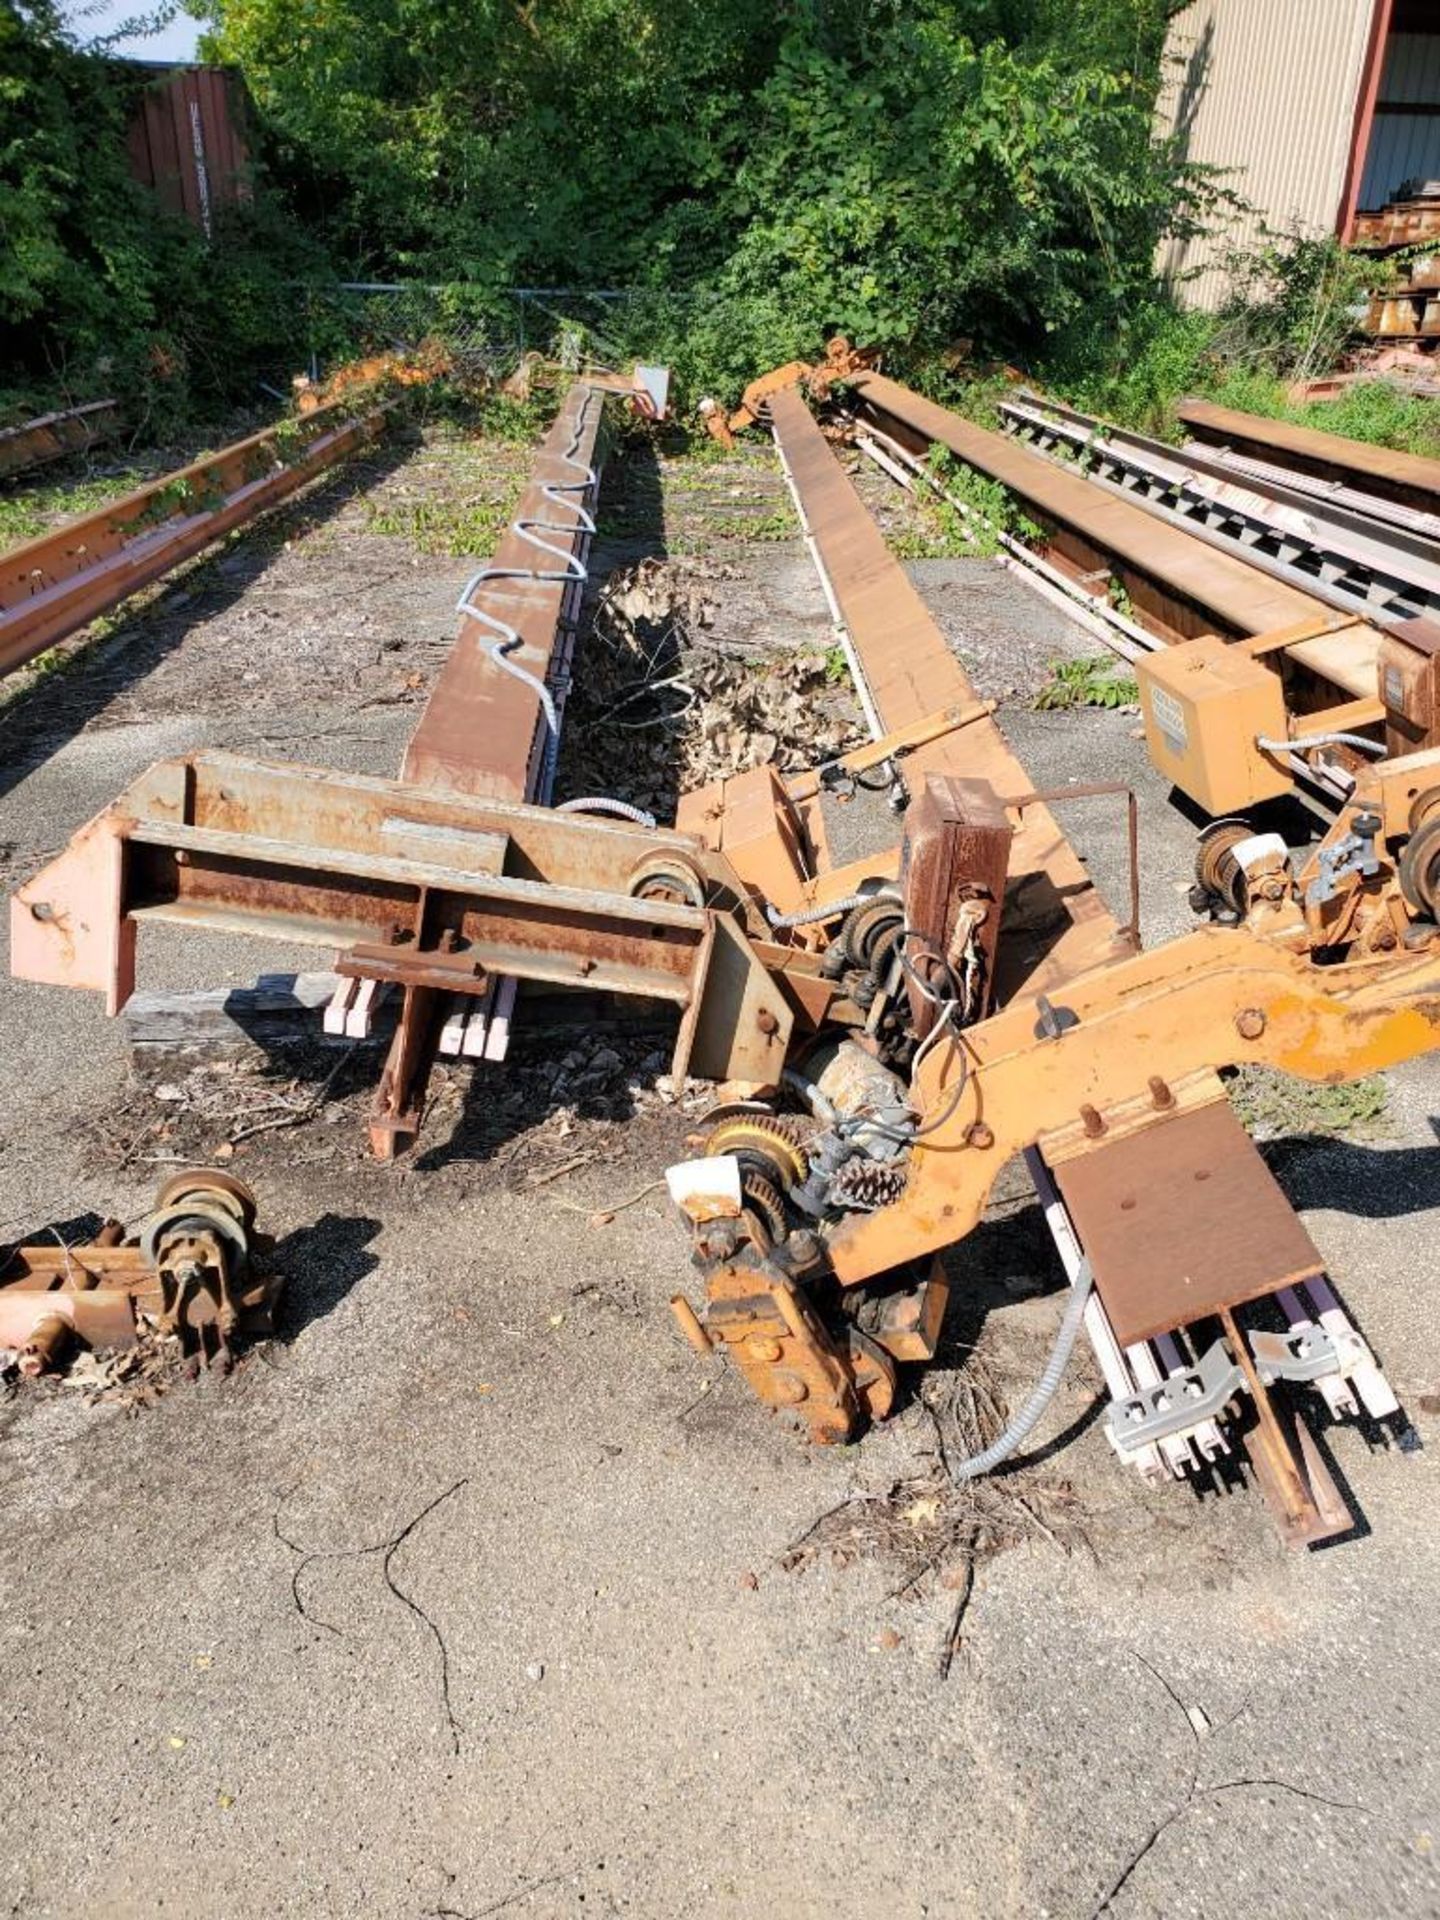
388,1548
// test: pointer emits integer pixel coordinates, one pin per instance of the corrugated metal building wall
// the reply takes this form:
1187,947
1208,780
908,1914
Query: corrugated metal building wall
1267,89
187,141
1405,143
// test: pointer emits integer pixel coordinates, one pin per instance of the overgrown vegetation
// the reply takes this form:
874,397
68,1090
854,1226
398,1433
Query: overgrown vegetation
759,176
965,183
100,289
1291,309
1272,1105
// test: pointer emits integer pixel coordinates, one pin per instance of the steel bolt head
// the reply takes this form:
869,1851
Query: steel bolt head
979,1135
1250,1023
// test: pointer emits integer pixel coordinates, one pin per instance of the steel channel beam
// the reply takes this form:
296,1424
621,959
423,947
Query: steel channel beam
1320,786
907,665
1408,479
1408,549
483,730
909,672
58,583
54,435
1356,571
1196,589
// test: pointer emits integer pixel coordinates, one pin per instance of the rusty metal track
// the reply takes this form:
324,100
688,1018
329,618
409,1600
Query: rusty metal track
1177,586
905,666
1324,548
484,730
54,435
56,584
909,673
1408,479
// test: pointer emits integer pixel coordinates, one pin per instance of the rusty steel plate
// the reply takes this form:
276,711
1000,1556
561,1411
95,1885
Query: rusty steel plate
1181,1221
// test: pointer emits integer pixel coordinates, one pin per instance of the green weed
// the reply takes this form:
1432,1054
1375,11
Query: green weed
458,529
1086,683
1271,1105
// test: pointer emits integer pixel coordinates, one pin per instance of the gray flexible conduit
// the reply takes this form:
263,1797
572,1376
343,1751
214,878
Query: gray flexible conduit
1001,1448
602,803
1303,742
807,916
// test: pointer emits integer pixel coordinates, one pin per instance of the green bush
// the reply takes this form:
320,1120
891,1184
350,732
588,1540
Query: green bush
101,290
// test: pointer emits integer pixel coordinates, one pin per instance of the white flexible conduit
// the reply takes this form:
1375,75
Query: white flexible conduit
503,638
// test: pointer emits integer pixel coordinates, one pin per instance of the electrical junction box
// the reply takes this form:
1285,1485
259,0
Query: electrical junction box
1410,686
1205,704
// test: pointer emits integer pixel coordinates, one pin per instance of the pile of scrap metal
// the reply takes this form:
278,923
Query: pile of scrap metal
894,1025
55,584
196,1270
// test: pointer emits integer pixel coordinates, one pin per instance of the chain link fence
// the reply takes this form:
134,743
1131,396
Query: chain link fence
485,329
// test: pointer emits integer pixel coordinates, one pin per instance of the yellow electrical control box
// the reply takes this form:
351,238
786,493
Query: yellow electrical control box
1205,704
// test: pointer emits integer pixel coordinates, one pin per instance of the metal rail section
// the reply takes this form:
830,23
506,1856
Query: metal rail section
57,583
492,723
1178,587
905,673
1095,538
418,884
1405,479
53,436
904,667
1332,552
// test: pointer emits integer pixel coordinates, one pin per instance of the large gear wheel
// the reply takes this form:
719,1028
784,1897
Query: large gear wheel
763,1199
1420,867
765,1138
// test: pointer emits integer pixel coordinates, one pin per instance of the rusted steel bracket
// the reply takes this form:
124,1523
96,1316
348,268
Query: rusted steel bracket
54,435
58,582
432,891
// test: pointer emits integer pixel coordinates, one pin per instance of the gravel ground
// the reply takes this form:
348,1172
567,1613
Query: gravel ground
474,1590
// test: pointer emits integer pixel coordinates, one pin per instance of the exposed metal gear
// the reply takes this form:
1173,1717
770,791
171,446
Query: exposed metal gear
1216,869
775,1142
863,1185
1420,868
868,934
763,1198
